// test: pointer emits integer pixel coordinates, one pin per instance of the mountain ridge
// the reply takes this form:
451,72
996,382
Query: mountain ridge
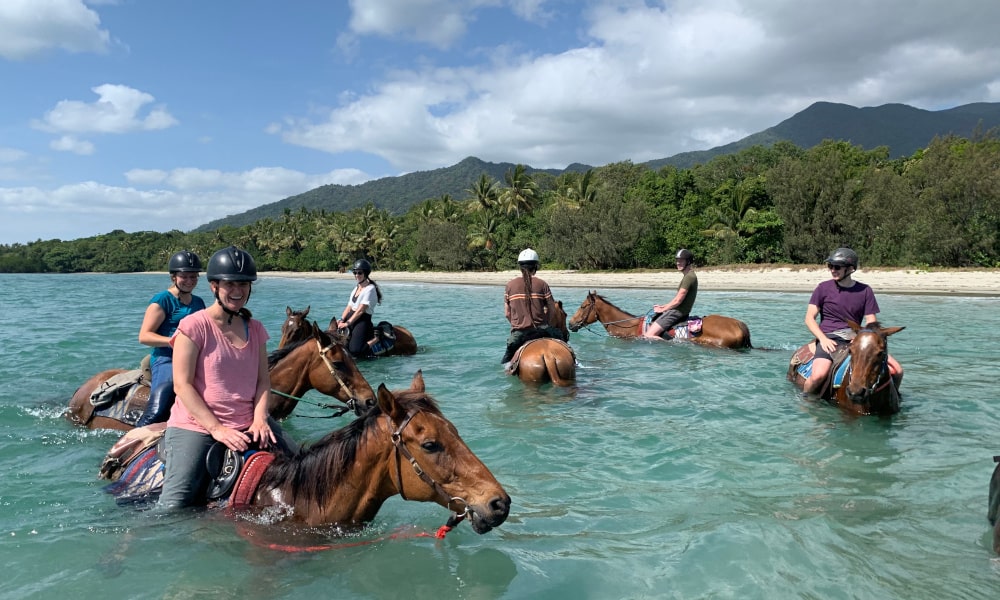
902,128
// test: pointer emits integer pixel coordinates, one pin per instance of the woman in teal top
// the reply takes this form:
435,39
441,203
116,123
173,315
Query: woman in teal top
165,311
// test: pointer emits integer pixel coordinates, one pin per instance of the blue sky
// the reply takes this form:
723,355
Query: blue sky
151,115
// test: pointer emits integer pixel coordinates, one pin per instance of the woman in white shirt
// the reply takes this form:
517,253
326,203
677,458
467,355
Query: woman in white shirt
357,317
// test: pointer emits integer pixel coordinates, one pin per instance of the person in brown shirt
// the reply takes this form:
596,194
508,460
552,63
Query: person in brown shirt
527,305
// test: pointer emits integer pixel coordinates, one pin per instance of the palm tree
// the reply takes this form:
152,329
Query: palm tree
485,191
520,193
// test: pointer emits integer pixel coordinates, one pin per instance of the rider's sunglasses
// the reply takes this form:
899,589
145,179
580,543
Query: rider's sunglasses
836,267
358,272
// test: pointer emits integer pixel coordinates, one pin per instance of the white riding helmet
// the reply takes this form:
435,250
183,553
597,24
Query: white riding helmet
527,256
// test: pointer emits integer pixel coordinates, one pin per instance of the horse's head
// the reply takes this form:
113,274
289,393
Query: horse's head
558,320
319,363
586,314
295,327
441,466
869,369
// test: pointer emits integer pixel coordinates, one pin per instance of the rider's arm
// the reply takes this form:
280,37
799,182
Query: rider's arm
260,431
869,319
678,298
813,325
151,321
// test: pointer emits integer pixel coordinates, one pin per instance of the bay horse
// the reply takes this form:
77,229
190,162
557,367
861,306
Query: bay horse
404,344
547,359
716,330
316,362
860,380
404,445
295,327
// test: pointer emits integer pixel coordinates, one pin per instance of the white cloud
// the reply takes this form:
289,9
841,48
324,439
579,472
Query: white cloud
185,199
68,143
31,27
438,23
117,110
656,78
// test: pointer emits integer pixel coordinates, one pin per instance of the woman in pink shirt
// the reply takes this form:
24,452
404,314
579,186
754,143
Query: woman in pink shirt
221,380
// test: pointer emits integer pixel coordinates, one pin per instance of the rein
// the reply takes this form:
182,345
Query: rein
591,309
339,411
397,442
352,403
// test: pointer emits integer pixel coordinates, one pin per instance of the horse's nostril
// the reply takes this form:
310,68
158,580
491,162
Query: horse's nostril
500,505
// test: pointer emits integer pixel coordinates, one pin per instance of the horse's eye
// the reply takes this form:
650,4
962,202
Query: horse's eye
432,446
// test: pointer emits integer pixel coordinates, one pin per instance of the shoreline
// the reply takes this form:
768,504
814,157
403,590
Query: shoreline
983,282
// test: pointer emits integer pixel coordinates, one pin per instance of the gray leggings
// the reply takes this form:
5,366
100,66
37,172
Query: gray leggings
184,451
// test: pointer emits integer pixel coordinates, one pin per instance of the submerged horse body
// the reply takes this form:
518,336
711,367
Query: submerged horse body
547,359
316,362
404,445
716,330
861,379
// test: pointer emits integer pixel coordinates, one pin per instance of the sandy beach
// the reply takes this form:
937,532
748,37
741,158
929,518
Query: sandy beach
979,282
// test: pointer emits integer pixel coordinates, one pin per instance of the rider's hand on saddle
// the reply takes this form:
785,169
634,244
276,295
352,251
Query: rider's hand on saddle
829,345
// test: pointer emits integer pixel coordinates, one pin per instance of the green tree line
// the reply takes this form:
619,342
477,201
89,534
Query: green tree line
777,204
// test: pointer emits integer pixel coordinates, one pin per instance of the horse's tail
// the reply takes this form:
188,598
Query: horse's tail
746,335
560,366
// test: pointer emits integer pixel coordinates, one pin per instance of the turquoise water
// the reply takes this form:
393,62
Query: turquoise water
669,471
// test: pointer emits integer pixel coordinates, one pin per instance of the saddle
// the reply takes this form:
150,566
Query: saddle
383,340
682,331
117,388
802,361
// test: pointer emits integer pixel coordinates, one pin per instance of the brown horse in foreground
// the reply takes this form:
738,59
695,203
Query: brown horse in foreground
313,363
404,445
716,330
868,387
547,359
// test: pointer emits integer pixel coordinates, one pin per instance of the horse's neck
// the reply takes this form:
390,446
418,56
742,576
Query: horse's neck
613,317
287,378
365,486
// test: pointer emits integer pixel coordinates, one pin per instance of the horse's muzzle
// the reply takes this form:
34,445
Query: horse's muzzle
484,518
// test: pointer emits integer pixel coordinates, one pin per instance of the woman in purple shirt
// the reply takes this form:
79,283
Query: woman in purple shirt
835,302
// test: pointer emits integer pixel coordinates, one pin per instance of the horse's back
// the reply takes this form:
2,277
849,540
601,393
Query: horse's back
81,410
405,342
720,330
547,359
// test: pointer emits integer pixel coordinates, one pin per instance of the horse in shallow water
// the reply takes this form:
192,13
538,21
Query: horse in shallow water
716,330
404,445
547,359
860,380
296,326
313,363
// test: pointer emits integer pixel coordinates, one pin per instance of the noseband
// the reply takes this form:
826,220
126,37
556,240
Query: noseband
352,401
397,441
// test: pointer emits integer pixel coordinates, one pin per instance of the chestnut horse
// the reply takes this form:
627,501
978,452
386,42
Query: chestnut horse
716,330
313,363
547,359
295,328
861,382
404,446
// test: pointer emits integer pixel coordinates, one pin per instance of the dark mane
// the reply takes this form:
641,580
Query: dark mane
318,468
275,357
611,304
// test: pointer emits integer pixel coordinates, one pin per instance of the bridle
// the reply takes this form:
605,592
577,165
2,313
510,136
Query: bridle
401,450
884,376
591,311
352,399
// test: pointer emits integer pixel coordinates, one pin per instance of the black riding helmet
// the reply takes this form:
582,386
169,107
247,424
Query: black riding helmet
843,257
232,264
184,261
362,265
684,254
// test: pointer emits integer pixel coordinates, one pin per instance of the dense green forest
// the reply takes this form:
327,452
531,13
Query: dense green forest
777,204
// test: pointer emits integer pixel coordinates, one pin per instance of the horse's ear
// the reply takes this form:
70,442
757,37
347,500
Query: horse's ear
315,329
387,403
559,304
887,331
288,311
854,326
417,385
305,313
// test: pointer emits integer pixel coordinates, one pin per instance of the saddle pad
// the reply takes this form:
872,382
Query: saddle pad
805,370
249,478
141,481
